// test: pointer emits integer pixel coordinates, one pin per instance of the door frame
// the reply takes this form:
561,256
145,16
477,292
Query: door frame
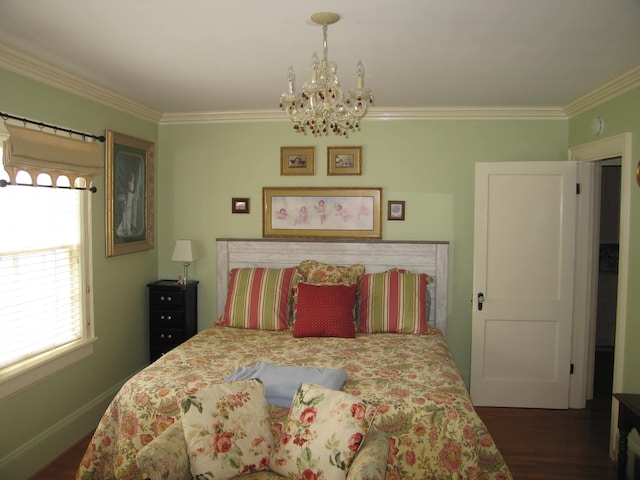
583,347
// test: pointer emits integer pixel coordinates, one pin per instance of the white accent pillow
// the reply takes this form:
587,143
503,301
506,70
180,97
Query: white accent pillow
227,428
323,433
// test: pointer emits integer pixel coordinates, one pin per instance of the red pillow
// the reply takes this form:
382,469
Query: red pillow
325,311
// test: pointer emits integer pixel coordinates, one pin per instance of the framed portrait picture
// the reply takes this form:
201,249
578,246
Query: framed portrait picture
130,170
240,205
322,212
395,210
297,160
344,160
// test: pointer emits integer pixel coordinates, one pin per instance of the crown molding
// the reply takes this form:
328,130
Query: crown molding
238,116
608,91
467,113
43,72
413,113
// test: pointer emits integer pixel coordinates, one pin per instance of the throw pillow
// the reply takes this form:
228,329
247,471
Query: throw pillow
258,298
325,311
394,301
227,429
318,273
165,457
323,433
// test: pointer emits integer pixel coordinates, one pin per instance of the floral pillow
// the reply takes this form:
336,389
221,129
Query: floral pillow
317,273
323,433
371,461
165,458
227,429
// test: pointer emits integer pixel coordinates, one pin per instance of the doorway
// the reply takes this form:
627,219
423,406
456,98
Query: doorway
607,282
583,345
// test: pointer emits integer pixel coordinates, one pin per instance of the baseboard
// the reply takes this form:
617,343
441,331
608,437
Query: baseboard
32,456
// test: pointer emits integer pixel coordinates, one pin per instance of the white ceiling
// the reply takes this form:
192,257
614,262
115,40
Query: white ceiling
233,55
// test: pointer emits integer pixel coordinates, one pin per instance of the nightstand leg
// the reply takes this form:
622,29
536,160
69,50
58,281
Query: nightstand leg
622,454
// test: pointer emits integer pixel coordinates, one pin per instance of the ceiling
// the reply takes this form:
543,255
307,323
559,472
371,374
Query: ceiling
233,55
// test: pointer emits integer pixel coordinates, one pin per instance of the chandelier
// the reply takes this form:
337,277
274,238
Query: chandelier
321,106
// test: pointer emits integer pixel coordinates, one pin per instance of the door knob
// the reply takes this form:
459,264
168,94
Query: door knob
480,300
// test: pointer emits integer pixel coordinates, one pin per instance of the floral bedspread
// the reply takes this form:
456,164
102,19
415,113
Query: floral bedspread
425,408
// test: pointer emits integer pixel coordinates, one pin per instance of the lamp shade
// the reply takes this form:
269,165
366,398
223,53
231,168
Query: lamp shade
185,251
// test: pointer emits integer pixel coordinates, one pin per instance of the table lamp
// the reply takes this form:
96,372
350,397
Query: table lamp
185,251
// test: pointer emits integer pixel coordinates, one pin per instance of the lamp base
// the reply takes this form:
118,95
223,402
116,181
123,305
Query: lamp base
185,279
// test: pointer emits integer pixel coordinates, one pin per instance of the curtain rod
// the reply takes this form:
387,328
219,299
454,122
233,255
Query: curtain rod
4,183
6,116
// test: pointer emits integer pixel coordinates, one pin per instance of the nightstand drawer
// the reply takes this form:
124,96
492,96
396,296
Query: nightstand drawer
166,318
167,336
166,297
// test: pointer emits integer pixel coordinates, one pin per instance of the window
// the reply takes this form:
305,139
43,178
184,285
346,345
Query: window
45,280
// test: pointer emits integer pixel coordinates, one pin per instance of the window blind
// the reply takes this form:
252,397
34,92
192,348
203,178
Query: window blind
40,271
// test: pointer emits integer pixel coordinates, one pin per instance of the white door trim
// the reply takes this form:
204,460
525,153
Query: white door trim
614,146
586,268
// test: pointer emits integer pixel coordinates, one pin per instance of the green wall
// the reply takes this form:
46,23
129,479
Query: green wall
429,164
43,420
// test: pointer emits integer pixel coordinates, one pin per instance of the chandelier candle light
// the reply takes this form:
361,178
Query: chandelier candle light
321,106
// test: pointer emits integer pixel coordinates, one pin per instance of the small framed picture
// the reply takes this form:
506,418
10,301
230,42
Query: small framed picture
297,160
240,205
344,161
395,210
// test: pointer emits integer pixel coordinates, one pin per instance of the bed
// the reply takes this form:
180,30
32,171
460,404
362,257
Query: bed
423,408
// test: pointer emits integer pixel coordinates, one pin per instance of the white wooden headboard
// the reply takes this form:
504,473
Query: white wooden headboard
375,255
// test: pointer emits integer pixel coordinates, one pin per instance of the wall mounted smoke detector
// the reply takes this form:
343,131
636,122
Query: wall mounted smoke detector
597,126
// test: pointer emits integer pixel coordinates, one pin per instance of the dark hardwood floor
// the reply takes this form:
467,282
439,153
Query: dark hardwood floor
536,444
558,444
65,466
552,444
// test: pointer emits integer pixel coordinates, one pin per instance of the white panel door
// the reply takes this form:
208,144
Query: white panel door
523,269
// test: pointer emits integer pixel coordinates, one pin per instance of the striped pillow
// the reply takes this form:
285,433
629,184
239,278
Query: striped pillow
258,298
394,301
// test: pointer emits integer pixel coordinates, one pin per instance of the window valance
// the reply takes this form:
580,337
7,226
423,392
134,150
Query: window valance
36,152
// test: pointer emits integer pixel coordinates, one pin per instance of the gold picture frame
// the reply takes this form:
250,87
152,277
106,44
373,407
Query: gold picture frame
130,189
344,160
322,212
297,160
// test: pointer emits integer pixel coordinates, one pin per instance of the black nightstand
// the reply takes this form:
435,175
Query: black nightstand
173,315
